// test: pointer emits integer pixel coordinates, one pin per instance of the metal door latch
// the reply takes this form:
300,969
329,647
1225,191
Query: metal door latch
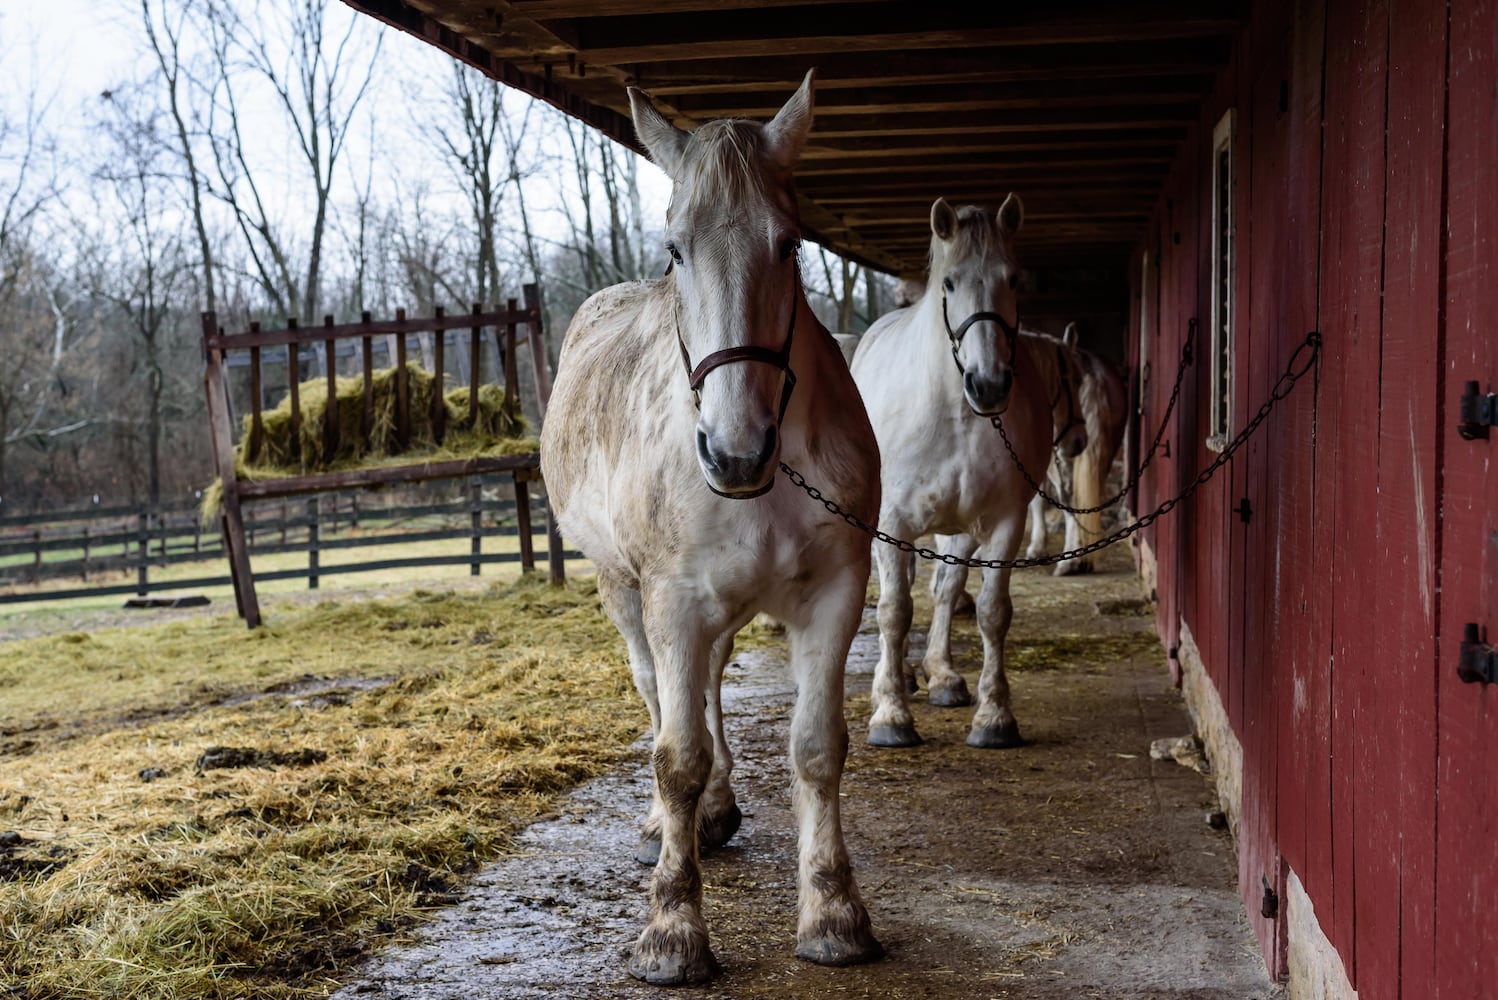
1478,412
1478,661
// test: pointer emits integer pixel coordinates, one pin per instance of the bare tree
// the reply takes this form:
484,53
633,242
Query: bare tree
34,325
318,80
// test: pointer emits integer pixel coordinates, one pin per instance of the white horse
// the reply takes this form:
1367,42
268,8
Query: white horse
944,471
672,412
1081,481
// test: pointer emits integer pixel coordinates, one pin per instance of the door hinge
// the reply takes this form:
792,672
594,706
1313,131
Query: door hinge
1269,908
1478,411
1244,510
1478,662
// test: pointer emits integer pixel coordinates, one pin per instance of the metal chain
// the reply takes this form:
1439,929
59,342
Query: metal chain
1175,392
1293,373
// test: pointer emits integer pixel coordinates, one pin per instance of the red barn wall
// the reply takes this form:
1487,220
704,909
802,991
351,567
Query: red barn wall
1366,203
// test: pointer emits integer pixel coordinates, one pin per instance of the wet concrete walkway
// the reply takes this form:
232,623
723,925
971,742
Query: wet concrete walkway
1074,867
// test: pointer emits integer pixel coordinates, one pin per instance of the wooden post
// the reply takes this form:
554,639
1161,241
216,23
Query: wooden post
85,554
142,554
539,360
294,380
476,523
257,425
474,360
366,419
313,537
402,388
512,376
439,362
330,415
554,547
36,559
232,520
523,523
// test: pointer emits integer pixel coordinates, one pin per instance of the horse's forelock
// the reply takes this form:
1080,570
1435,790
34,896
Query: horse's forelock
726,162
977,237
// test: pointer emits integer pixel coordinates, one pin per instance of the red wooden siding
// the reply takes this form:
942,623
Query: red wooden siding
1366,138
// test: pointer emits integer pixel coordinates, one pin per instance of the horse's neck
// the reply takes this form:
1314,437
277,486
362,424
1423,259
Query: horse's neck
932,347
1041,355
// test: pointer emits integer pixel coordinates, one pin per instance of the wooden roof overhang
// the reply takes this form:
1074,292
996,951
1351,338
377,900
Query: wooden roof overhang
1078,106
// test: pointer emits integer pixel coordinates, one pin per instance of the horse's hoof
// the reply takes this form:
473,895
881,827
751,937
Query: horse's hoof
894,736
829,949
713,833
661,962
952,695
1002,737
648,852
1072,567
964,606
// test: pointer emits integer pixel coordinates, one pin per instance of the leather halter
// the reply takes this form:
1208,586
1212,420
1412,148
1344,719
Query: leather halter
1063,384
954,337
749,352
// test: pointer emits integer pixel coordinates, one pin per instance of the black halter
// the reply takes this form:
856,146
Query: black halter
954,337
780,359
1064,384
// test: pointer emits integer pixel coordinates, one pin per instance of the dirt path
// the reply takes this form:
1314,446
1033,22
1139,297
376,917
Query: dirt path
1074,867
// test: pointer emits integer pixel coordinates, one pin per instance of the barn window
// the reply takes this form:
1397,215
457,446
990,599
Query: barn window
1221,323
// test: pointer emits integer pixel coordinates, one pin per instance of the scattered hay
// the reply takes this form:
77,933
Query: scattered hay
256,882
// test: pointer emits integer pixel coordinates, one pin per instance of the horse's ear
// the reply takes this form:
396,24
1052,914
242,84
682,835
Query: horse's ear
1011,215
1069,336
943,219
786,132
664,140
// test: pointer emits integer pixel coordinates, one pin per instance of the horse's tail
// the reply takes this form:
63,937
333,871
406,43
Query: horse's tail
1105,410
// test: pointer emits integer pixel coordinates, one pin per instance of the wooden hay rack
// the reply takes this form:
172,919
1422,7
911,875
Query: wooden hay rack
407,467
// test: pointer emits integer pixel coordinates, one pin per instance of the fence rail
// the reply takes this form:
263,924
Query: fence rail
94,546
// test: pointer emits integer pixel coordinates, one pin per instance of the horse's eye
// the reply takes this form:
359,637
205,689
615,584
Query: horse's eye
788,246
947,284
675,253
1014,281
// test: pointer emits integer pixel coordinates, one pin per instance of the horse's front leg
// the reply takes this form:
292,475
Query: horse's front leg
890,721
718,815
944,685
833,927
673,948
994,725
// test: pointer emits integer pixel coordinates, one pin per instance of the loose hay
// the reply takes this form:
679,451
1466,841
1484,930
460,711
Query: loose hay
265,881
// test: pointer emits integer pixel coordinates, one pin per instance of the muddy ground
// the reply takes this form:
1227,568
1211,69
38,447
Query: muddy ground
1073,867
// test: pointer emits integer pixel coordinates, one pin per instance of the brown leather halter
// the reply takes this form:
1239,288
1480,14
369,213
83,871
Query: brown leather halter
780,359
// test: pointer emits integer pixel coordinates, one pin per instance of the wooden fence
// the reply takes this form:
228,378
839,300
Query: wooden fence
99,545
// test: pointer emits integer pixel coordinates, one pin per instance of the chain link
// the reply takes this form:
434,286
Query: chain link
1175,392
1294,371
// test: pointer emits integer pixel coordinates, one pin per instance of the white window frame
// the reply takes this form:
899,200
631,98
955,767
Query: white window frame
1223,261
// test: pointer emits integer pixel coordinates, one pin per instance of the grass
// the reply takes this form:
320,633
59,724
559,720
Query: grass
448,721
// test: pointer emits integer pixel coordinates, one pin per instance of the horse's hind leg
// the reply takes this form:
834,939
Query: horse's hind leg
994,725
833,926
1037,528
673,947
890,723
944,685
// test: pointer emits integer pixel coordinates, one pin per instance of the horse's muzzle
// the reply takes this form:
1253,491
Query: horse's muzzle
987,397
739,476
